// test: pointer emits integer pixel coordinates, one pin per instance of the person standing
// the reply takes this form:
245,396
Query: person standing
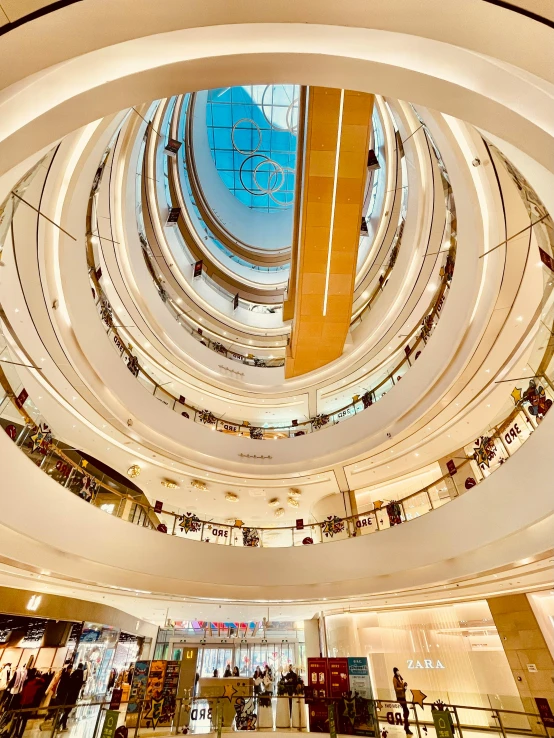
236,672
74,686
400,687
227,673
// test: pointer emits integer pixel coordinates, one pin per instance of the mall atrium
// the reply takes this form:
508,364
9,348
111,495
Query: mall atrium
278,278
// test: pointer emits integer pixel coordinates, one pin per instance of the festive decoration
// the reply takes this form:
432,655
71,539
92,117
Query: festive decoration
484,451
84,463
307,541
469,483
162,527
378,504
538,403
88,488
274,502
279,512
256,434
250,537
319,421
133,365
207,417
367,399
394,512
190,523
516,394
333,524
418,697
134,471
293,502
170,483
42,439
238,523
198,484
106,313
231,497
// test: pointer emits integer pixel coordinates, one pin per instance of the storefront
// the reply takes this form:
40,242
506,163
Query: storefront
451,653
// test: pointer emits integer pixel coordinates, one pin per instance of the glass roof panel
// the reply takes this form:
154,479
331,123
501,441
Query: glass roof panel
252,131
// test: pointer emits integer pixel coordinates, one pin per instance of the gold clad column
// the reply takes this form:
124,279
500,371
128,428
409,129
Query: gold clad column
336,146
526,650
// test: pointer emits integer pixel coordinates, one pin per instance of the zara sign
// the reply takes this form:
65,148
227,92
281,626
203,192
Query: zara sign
425,664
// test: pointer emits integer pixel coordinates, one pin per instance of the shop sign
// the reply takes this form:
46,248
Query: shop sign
443,724
220,533
110,724
451,466
201,713
426,664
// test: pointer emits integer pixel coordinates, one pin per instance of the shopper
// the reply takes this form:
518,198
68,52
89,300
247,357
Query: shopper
74,686
227,673
216,673
258,681
400,687
236,672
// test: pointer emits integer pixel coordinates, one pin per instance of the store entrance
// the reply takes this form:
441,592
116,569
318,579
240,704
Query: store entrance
248,656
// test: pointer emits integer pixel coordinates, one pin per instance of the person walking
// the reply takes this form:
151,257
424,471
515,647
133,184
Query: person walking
74,686
400,687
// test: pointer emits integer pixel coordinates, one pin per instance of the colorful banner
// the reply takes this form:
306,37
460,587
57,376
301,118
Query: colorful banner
138,692
153,703
169,693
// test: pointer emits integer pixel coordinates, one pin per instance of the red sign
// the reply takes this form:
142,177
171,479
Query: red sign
21,398
300,524
11,430
339,683
545,712
469,483
158,506
198,269
546,259
451,466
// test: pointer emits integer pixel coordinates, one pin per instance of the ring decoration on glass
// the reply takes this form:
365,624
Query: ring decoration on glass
255,126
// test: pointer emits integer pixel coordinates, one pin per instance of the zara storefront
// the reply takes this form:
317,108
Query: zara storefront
451,653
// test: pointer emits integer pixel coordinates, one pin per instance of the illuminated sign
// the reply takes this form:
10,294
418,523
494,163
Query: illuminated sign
425,664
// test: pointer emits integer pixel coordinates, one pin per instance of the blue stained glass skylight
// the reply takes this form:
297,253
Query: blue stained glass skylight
252,132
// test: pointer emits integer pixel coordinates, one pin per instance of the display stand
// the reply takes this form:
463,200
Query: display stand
299,714
282,716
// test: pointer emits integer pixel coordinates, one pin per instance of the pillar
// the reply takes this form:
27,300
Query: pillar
526,650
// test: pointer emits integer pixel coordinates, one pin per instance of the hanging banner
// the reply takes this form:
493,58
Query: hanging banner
169,694
153,701
137,693
198,269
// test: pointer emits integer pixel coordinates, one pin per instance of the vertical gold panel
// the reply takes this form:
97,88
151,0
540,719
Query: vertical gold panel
319,338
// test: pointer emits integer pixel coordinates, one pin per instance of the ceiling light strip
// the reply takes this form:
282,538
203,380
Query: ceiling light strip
335,178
